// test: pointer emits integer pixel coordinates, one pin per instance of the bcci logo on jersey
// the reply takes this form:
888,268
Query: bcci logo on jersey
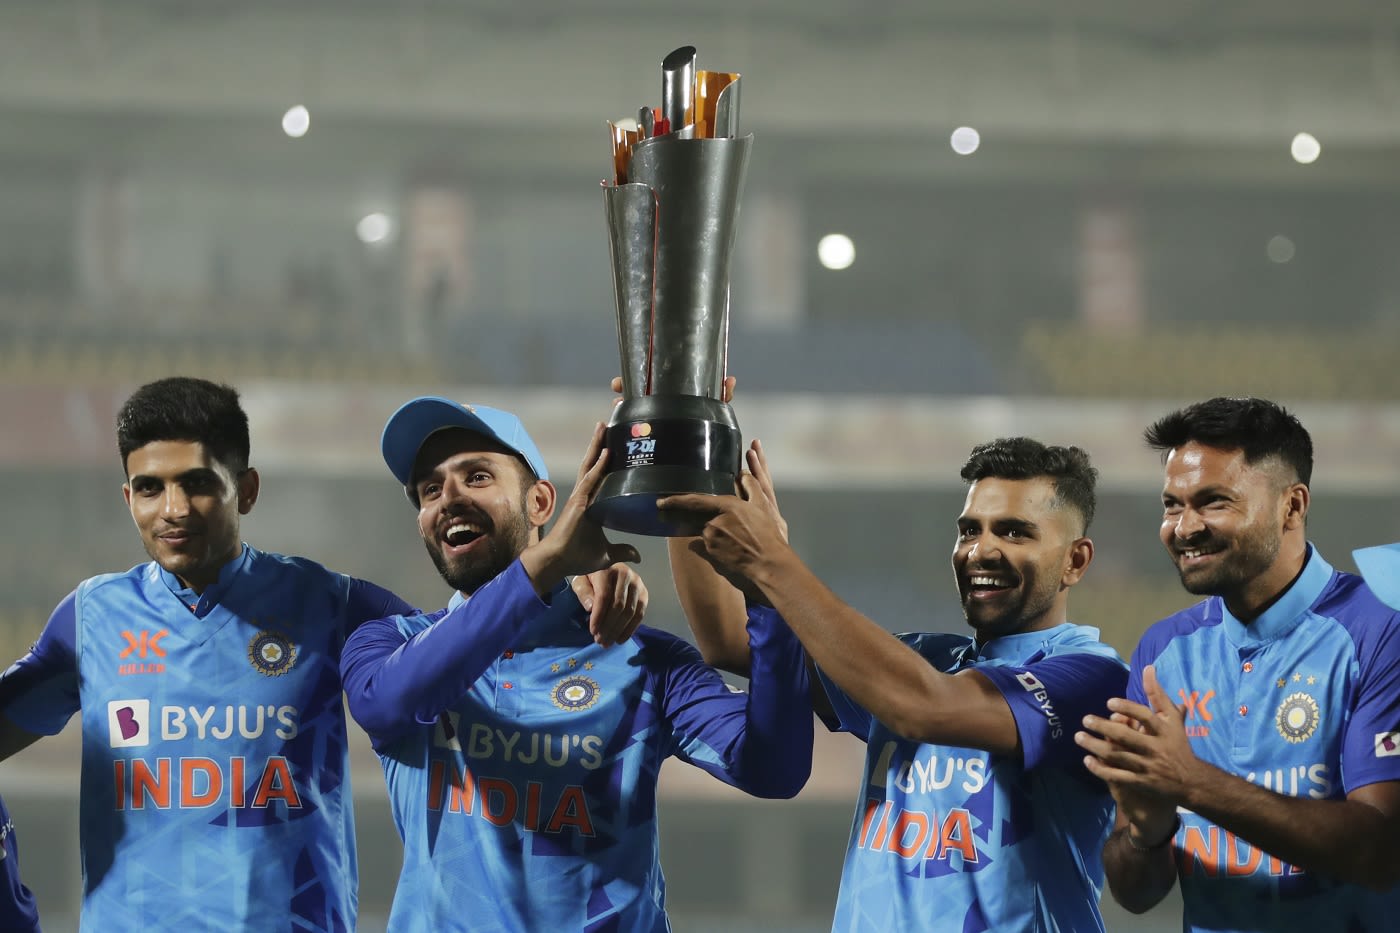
1297,718
575,693
272,653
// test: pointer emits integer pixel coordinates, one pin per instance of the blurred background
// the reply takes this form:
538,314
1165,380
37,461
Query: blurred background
963,219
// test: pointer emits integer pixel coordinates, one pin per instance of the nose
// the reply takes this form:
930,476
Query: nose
1188,525
984,547
175,503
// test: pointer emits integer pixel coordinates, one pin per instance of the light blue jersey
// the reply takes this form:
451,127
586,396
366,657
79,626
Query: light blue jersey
215,793
1304,701
958,839
522,758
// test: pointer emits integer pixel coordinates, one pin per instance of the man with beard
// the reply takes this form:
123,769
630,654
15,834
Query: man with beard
1257,756
976,811
521,757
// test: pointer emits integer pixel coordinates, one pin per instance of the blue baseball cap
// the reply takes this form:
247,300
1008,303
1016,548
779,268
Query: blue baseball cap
1380,566
408,428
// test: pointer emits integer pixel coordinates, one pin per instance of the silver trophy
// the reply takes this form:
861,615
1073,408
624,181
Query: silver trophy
673,209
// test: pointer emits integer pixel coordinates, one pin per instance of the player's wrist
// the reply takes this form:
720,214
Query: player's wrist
1141,844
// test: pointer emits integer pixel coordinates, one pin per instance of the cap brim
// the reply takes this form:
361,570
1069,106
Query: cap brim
414,423
1380,566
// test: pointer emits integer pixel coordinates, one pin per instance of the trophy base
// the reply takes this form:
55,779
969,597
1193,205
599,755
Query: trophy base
661,446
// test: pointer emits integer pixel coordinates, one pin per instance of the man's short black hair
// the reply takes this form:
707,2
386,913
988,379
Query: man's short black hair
1027,458
1259,427
182,408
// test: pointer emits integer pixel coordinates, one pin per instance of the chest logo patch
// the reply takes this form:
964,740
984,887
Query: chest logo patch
1297,717
272,653
575,693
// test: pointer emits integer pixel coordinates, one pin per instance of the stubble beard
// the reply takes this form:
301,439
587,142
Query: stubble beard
503,544
1255,552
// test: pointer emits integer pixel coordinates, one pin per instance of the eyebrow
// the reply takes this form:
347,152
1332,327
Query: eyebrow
1020,524
198,473
477,462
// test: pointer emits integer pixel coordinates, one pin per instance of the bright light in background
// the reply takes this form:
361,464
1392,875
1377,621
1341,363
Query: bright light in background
374,228
836,251
965,140
1305,148
296,121
1280,249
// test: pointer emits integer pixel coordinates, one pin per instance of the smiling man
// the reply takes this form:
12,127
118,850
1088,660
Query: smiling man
1254,757
521,756
976,811
215,787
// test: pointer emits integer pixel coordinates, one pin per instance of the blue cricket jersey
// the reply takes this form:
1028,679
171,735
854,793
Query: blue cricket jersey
959,839
17,911
522,758
1305,701
215,785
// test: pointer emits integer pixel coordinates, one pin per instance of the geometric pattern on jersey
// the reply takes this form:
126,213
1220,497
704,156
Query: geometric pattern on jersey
215,789
954,838
1299,701
530,804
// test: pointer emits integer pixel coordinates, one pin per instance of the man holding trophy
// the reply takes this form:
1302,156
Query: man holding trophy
521,752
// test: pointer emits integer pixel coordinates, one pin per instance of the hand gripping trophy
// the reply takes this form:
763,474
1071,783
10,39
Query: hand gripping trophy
673,208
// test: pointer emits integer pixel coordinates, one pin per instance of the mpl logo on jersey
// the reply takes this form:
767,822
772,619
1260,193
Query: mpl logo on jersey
147,651
1387,744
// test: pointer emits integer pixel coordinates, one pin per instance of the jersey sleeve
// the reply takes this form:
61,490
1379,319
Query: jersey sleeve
850,716
367,601
1371,744
1049,698
39,692
759,741
394,682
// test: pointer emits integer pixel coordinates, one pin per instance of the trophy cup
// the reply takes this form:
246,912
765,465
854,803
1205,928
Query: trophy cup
672,210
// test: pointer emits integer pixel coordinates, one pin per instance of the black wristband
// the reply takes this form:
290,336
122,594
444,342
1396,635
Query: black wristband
1176,825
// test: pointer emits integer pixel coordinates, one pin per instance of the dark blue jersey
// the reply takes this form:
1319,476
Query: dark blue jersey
17,911
1304,701
522,758
951,838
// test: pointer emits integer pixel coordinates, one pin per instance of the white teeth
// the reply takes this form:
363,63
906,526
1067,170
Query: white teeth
987,581
1192,553
458,529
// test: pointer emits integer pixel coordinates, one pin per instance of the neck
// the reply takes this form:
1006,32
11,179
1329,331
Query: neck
1256,596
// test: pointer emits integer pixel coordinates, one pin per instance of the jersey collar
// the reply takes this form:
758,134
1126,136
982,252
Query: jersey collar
1288,611
563,623
200,604
1015,647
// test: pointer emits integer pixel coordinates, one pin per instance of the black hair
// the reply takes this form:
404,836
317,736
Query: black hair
1259,427
182,408
1027,458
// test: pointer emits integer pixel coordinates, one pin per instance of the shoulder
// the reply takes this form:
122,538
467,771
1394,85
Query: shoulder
1204,615
267,562
1073,639
102,581
1351,604
934,644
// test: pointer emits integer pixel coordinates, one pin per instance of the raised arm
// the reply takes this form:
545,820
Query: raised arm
877,671
394,682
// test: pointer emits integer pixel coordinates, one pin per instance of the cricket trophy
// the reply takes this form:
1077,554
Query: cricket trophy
672,210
